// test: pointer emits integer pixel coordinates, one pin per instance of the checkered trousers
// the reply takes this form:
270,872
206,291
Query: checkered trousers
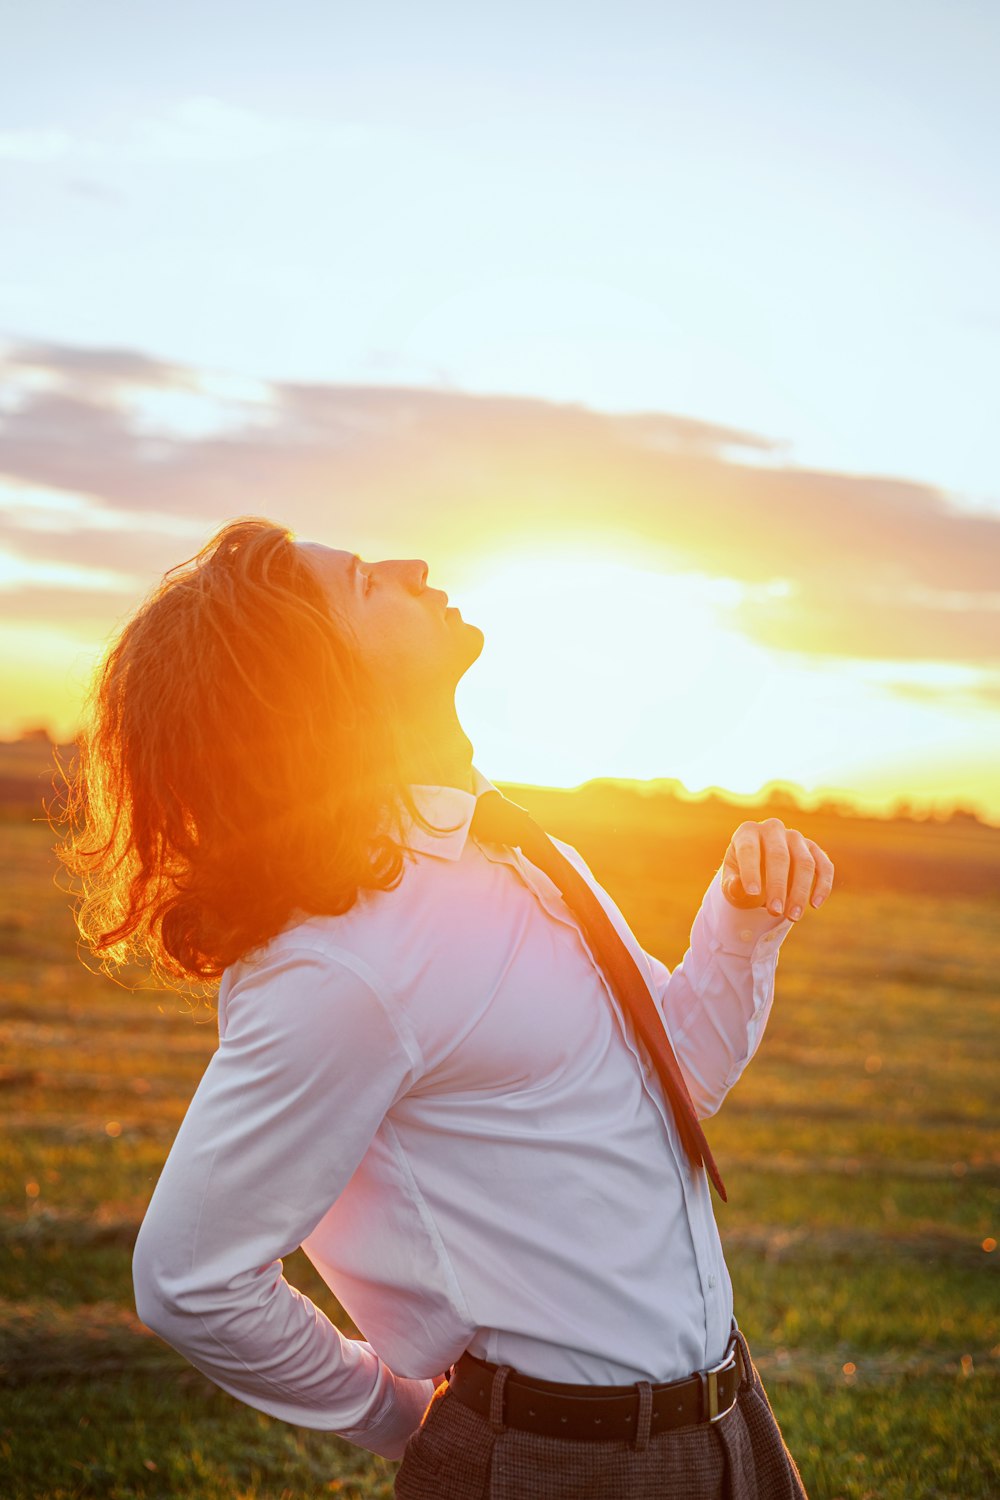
458,1455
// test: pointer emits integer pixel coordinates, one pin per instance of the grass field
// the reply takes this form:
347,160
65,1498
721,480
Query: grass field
861,1151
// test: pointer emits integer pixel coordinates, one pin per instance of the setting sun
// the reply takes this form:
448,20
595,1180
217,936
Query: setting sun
595,665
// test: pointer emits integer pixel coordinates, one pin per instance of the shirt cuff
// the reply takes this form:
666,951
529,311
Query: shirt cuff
751,933
399,1419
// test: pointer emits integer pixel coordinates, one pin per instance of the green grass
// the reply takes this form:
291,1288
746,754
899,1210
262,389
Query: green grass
141,1435
145,1435
908,1439
861,1151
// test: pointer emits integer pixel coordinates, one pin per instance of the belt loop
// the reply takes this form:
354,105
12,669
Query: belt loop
496,1397
645,1421
743,1356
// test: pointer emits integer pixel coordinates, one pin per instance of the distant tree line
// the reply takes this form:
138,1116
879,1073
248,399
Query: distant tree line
27,763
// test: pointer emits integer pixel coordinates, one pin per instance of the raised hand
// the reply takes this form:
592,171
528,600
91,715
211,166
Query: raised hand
767,864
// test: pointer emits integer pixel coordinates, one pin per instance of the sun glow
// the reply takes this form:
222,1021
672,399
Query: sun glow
595,665
594,662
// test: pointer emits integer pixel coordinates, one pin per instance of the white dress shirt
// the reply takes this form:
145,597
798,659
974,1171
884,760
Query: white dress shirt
436,1095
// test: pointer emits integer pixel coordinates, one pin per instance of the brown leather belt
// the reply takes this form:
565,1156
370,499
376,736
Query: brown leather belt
600,1412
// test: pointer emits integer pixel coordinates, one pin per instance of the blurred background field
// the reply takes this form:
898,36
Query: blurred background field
861,1151
665,335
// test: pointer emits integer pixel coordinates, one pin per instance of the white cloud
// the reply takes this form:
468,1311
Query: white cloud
191,414
38,509
18,572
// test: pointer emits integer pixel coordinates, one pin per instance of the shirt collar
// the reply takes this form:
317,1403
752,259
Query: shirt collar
444,806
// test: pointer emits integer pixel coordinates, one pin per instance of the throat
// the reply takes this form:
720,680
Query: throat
438,752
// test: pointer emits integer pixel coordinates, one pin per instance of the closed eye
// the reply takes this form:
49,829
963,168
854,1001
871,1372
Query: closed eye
368,583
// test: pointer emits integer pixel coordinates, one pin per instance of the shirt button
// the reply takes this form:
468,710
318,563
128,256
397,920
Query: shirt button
746,935
711,1278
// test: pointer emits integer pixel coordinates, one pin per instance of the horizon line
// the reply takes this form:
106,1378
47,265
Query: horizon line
777,790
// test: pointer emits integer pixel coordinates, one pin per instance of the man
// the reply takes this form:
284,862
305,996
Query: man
423,1075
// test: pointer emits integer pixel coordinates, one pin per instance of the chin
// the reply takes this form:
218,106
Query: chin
472,643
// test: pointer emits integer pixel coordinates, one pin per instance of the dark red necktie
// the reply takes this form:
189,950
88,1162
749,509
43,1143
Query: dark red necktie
500,821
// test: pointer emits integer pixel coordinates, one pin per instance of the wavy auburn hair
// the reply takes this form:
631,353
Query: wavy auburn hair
239,764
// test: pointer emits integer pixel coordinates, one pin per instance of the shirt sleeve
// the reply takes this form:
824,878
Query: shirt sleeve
717,1001
309,1061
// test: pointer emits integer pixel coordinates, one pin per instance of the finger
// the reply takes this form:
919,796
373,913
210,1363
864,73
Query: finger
746,844
802,873
732,885
824,875
777,860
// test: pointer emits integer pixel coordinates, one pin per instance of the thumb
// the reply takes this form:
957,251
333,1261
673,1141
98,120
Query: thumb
732,889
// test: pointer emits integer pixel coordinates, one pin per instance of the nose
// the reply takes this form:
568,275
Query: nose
412,571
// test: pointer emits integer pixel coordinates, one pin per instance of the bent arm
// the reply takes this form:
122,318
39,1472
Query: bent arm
309,1061
717,1001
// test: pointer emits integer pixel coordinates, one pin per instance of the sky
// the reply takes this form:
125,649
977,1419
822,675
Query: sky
667,336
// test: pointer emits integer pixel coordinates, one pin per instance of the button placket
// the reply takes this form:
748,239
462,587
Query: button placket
695,1188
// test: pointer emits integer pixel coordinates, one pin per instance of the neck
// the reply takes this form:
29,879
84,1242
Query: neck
437,751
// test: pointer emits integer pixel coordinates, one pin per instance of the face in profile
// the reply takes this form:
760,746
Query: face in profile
408,634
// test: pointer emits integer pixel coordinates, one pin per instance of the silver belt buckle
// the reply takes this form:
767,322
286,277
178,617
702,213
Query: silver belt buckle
710,1387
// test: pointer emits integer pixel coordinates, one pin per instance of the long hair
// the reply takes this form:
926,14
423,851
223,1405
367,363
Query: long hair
238,765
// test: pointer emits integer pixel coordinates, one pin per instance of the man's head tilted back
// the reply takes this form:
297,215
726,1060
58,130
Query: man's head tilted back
246,741
407,634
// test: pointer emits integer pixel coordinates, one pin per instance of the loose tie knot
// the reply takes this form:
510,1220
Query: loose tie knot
498,820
